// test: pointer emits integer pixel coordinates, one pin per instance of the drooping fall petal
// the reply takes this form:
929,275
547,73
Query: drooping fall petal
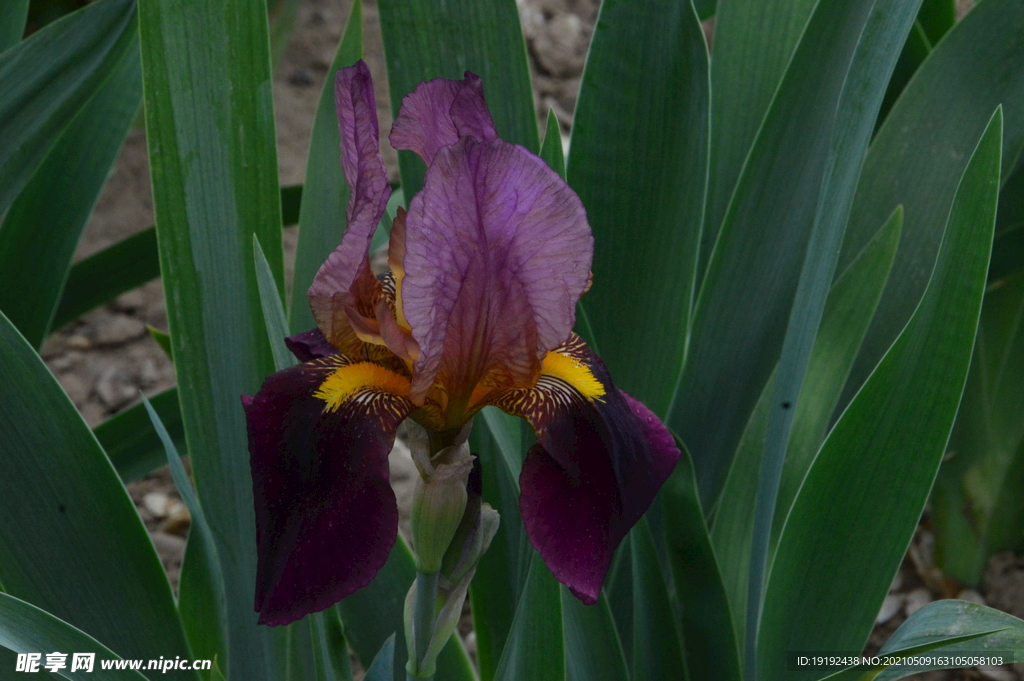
326,518
345,288
497,252
438,112
601,457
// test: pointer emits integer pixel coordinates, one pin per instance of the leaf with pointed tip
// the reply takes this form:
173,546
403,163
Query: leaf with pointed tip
920,152
48,77
851,304
950,627
940,629
66,500
753,43
24,628
551,149
162,339
382,667
273,309
744,304
872,62
869,483
39,234
203,607
130,441
936,18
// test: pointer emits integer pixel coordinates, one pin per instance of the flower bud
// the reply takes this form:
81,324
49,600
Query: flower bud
451,600
438,504
474,535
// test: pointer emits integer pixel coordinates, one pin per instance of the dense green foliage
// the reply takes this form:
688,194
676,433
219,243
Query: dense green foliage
793,234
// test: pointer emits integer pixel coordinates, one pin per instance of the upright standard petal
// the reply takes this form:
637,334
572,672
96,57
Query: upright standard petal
326,518
601,457
439,112
344,291
497,252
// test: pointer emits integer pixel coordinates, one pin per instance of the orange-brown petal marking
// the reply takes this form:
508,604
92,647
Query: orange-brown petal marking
396,261
389,321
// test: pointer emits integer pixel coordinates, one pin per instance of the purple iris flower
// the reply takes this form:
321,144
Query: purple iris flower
477,309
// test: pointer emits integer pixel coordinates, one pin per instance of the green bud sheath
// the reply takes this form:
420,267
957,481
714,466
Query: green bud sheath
438,504
470,543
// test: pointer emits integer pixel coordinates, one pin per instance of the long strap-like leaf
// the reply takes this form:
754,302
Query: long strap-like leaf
920,152
638,160
71,541
210,129
869,483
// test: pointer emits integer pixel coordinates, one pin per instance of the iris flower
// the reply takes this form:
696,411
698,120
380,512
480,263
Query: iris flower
477,309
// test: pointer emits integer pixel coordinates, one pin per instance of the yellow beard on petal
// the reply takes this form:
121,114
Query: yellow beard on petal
574,372
352,379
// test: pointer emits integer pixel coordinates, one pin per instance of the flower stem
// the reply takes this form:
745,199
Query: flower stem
424,614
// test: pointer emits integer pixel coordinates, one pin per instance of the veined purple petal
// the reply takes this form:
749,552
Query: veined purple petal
438,112
344,286
601,457
326,517
498,251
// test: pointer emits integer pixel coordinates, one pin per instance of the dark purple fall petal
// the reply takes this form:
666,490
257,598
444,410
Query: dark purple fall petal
344,286
498,251
595,470
438,112
325,513
309,345
572,522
